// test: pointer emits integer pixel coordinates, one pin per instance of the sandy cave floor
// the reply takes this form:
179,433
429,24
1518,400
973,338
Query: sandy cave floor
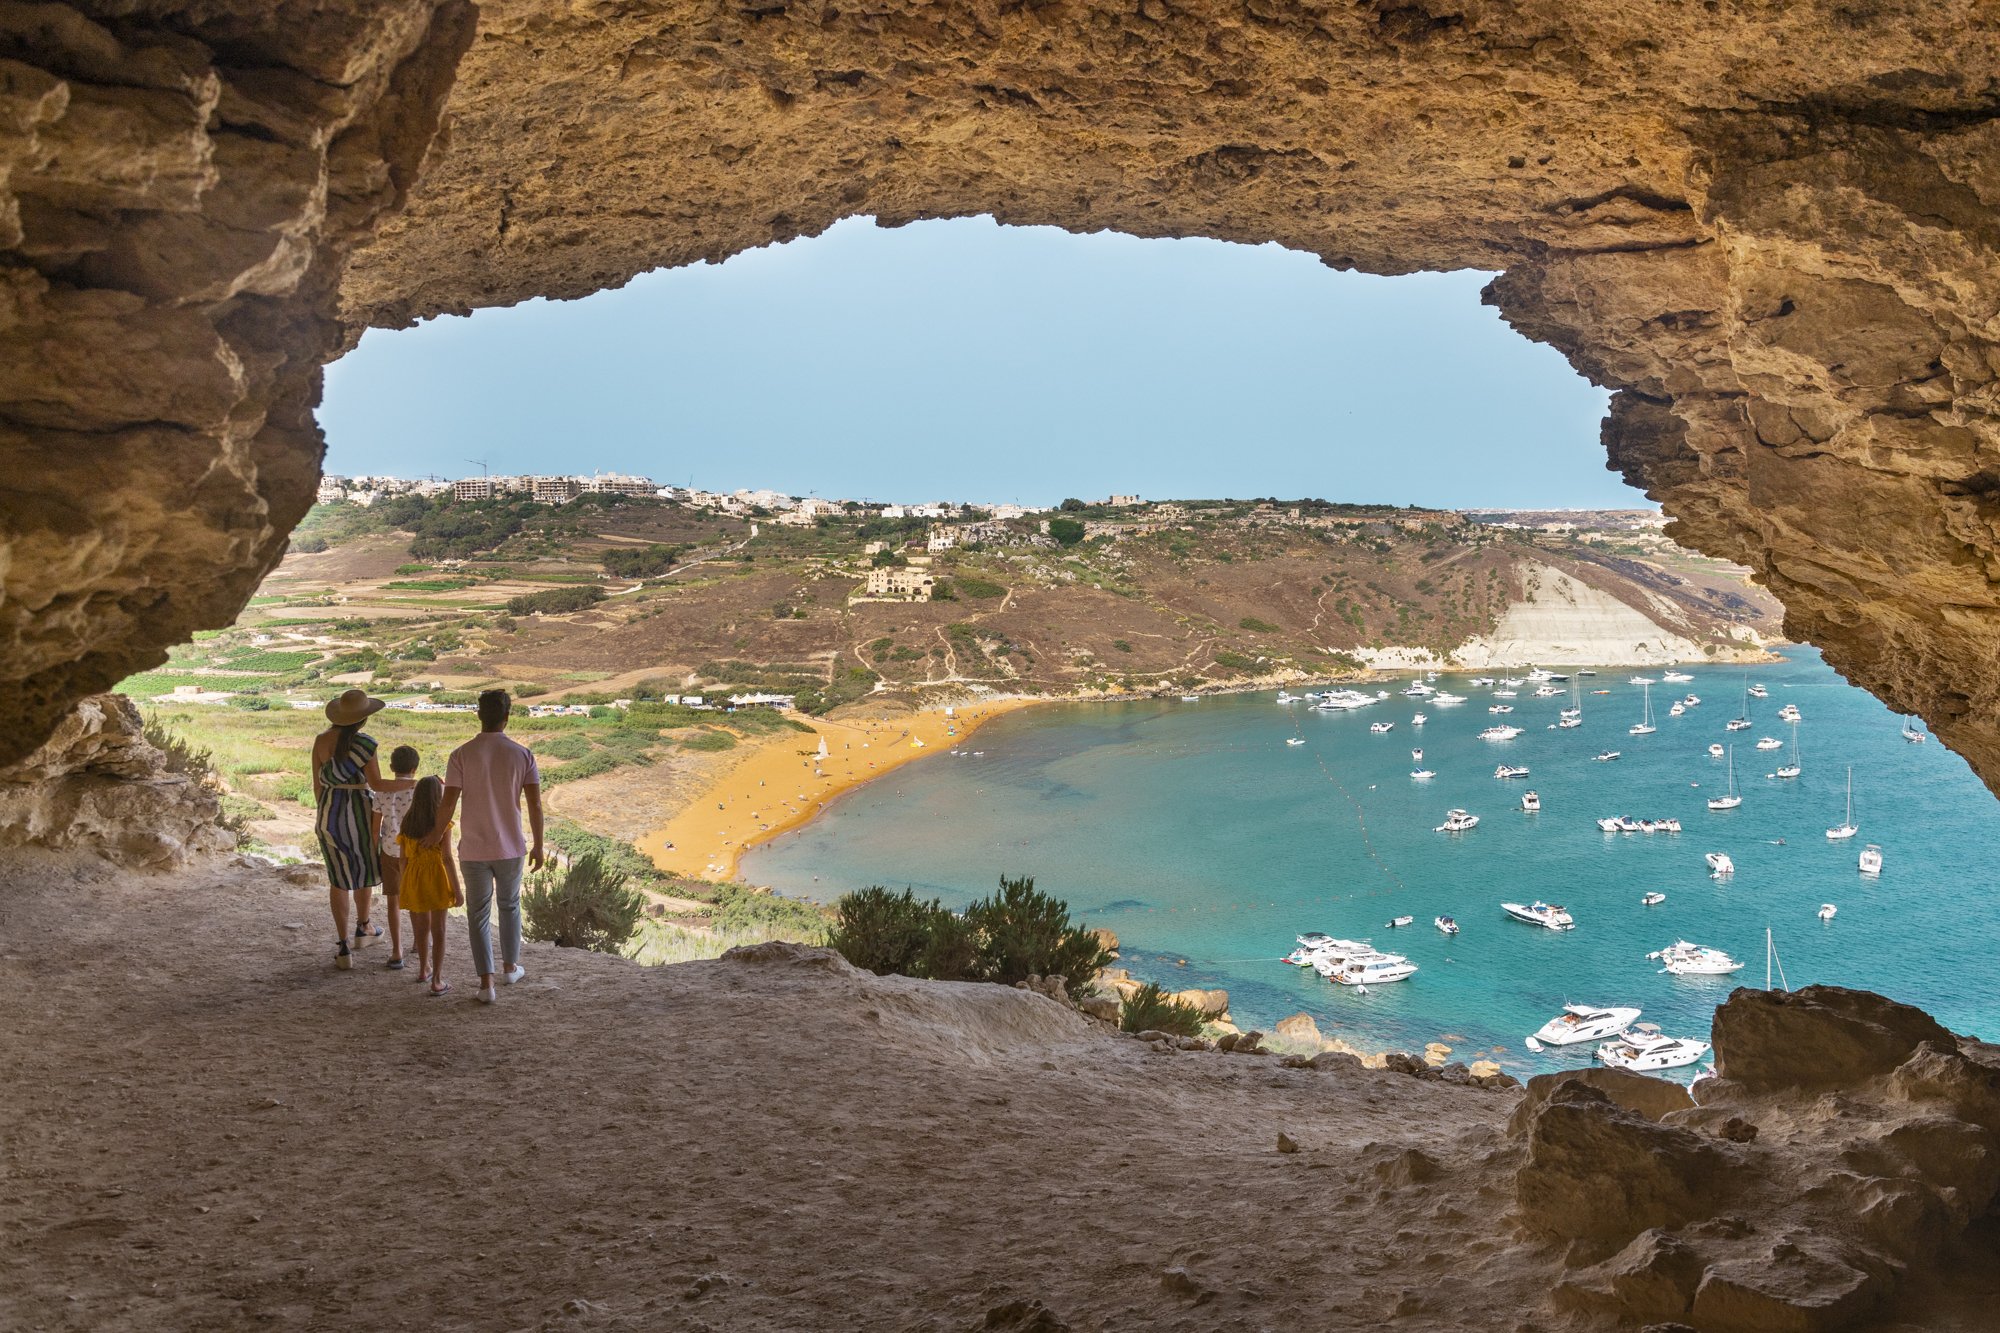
203,1125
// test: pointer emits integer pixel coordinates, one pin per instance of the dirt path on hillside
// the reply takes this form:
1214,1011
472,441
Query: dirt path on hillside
203,1125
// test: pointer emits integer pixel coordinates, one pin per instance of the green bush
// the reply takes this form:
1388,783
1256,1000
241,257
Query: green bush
555,600
1026,933
569,745
587,906
1257,626
1066,531
708,739
1015,934
1149,1010
886,932
979,589
182,755
642,562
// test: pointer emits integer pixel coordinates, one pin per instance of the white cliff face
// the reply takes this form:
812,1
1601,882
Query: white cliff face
1560,619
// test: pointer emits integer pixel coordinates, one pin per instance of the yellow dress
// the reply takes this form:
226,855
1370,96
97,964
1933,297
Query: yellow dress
426,883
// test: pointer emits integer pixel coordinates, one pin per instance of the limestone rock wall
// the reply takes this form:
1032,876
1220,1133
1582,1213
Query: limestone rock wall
1770,227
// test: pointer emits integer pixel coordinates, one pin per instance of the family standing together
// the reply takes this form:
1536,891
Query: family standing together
396,832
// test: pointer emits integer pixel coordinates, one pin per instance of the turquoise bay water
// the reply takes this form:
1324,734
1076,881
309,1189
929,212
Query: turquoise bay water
1207,843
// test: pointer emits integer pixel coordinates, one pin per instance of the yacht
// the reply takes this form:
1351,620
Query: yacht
1618,824
1846,828
1395,922
1446,924
1500,708
1792,769
1659,826
1758,692
1380,728
1644,1050
1539,913
1732,800
1417,755
1569,720
1606,756
1418,719
1506,694
1676,677
1546,692
1827,911
1315,944
1645,725
1912,734
1789,713
1511,771
1719,864
1715,750
1531,801
1502,732
1190,698
1286,697
1537,673
1641,680
1695,960
1482,680
1691,701
1418,690
1447,698
1457,821
1295,740
1676,710
1653,899
1870,860
1368,969
1770,743
1581,1023
1737,724
1512,682
1423,774
1586,672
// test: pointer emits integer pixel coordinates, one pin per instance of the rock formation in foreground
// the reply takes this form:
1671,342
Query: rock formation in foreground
1771,232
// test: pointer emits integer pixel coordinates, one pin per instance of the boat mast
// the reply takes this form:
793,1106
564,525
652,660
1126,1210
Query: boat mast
1771,956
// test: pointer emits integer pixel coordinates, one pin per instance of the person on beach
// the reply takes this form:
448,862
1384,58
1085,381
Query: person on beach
344,772
390,807
491,775
431,885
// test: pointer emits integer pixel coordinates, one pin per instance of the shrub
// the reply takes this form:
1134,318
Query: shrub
709,739
555,600
979,589
308,545
642,562
1026,933
884,932
1066,531
182,755
941,591
1257,626
255,703
1121,645
1149,1010
588,906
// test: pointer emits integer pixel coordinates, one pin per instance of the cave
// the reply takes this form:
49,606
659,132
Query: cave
1770,230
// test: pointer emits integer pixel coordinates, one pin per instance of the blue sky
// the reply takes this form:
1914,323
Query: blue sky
966,360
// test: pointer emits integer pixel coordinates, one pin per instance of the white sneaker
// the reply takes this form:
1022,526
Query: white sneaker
515,973
488,995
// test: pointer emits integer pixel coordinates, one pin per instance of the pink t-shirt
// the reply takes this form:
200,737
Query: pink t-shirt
489,771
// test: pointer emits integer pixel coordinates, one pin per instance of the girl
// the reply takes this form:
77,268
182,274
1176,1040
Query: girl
390,808
430,880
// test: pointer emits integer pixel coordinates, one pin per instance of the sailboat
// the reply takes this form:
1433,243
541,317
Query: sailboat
1573,715
1846,828
1792,769
1645,726
1741,722
1912,734
1731,801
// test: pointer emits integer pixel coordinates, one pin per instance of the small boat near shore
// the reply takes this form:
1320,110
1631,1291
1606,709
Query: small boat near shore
1499,733
1827,911
1694,960
1370,969
1870,860
1423,774
1644,1050
1578,1023
1457,821
1719,864
1653,899
1539,913
1446,924
1295,740
1511,771
1398,922
1606,756
1380,728
1531,802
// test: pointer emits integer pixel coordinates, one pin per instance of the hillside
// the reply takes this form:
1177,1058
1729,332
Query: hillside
646,594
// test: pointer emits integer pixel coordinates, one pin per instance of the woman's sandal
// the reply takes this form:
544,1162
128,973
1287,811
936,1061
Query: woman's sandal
343,960
439,988
394,964
365,931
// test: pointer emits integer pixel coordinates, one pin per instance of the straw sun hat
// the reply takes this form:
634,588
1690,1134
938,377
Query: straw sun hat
352,706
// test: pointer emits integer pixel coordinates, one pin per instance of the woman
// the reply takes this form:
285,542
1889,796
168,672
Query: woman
344,772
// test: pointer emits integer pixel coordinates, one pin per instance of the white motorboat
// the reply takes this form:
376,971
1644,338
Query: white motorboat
1446,924
1500,708
1417,755
1676,677
1482,680
1539,913
1715,749
1423,774
1691,701
1503,732
1653,899
1294,740
1569,720
1758,692
1583,1022
1695,960
1537,673
1719,864
1789,713
1418,719
1369,969
1418,690
1285,697
1506,694
1912,734
1316,945
1457,821
1733,799
1645,726
1659,826
1676,710
1770,743
1447,699
1847,827
1641,680
1792,769
1190,698
1615,824
1870,860
1512,682
1546,692
1644,1050
1531,801
1737,724
1586,672
1606,756
1380,728
1511,771
1397,922
1827,911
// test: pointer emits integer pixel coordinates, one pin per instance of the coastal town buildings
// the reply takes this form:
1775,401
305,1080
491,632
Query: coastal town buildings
472,488
555,490
616,483
912,583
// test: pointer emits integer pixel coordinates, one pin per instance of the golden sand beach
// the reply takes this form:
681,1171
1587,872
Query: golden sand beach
783,782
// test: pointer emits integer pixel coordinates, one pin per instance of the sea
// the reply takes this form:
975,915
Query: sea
1208,844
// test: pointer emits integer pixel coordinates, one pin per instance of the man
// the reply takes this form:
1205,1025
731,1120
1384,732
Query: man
490,774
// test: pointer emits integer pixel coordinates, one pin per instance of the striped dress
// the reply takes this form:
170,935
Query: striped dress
344,836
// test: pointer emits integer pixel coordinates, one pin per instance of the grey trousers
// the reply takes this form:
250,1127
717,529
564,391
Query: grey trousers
482,879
